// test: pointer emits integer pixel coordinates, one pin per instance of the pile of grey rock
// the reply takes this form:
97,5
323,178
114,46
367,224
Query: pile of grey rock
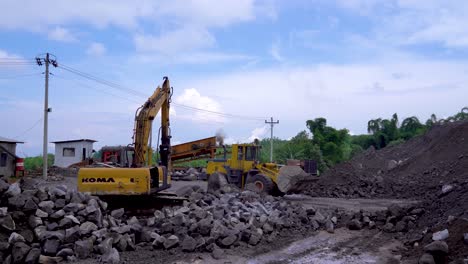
191,174
212,222
55,224
394,219
50,225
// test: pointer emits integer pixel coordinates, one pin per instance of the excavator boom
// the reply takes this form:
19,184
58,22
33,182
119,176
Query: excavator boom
144,117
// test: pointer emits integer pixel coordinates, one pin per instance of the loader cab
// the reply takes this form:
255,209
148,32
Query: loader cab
244,157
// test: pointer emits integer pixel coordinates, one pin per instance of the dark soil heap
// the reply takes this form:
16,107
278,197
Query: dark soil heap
432,168
417,168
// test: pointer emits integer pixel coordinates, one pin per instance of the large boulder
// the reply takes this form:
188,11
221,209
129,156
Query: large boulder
8,223
228,241
171,242
426,259
14,189
87,228
111,257
118,213
33,256
65,253
47,206
354,225
437,248
441,235
19,252
83,248
189,244
50,247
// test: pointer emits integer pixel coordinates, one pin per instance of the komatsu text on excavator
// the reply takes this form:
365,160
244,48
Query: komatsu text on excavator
141,177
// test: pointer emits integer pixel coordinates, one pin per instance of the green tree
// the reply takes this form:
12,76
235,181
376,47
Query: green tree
333,143
384,130
431,121
35,163
411,127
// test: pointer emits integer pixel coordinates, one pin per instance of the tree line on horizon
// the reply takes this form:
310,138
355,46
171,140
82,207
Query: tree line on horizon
329,146
325,144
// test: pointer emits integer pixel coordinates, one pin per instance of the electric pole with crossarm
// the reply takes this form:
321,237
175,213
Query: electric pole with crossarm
47,60
272,123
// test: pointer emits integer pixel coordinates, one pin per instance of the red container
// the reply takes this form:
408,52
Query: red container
19,164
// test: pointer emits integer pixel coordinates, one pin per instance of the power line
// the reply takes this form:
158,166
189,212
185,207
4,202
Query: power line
217,113
80,84
138,93
19,76
16,61
100,80
29,129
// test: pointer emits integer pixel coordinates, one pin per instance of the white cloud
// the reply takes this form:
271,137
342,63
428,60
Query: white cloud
96,49
209,12
258,133
363,7
191,100
23,14
196,57
6,55
61,34
275,51
180,40
26,14
362,92
403,22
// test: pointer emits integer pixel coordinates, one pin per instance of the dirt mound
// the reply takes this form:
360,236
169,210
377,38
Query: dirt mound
417,168
432,168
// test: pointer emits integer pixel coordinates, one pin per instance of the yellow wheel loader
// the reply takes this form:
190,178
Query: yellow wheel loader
141,178
244,168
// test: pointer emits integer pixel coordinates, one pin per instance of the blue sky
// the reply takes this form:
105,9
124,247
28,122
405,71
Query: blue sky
346,60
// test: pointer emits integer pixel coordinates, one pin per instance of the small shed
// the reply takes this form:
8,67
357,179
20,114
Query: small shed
8,156
68,152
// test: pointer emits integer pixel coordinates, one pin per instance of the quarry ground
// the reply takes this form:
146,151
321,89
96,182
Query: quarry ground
318,247
406,203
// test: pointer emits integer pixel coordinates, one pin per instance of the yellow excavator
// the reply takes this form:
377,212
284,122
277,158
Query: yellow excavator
141,178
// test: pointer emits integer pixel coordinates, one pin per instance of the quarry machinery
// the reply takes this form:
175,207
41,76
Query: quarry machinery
244,167
142,178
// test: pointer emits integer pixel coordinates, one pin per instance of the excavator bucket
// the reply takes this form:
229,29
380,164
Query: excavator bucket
293,179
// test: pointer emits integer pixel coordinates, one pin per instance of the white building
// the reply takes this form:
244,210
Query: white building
68,152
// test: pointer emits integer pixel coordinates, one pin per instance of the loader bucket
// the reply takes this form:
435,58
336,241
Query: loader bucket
293,179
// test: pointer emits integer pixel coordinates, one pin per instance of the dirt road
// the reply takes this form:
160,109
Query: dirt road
353,205
342,247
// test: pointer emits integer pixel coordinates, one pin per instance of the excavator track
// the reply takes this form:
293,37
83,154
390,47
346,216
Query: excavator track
141,205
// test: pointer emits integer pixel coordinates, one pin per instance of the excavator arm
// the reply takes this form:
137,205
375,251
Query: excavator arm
144,116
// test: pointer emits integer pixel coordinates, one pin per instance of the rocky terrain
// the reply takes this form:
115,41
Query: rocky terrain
432,168
49,223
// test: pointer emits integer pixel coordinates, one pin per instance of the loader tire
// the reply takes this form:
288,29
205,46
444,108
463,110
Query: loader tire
261,183
216,181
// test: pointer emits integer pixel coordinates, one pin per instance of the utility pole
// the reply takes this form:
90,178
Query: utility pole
271,137
46,61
